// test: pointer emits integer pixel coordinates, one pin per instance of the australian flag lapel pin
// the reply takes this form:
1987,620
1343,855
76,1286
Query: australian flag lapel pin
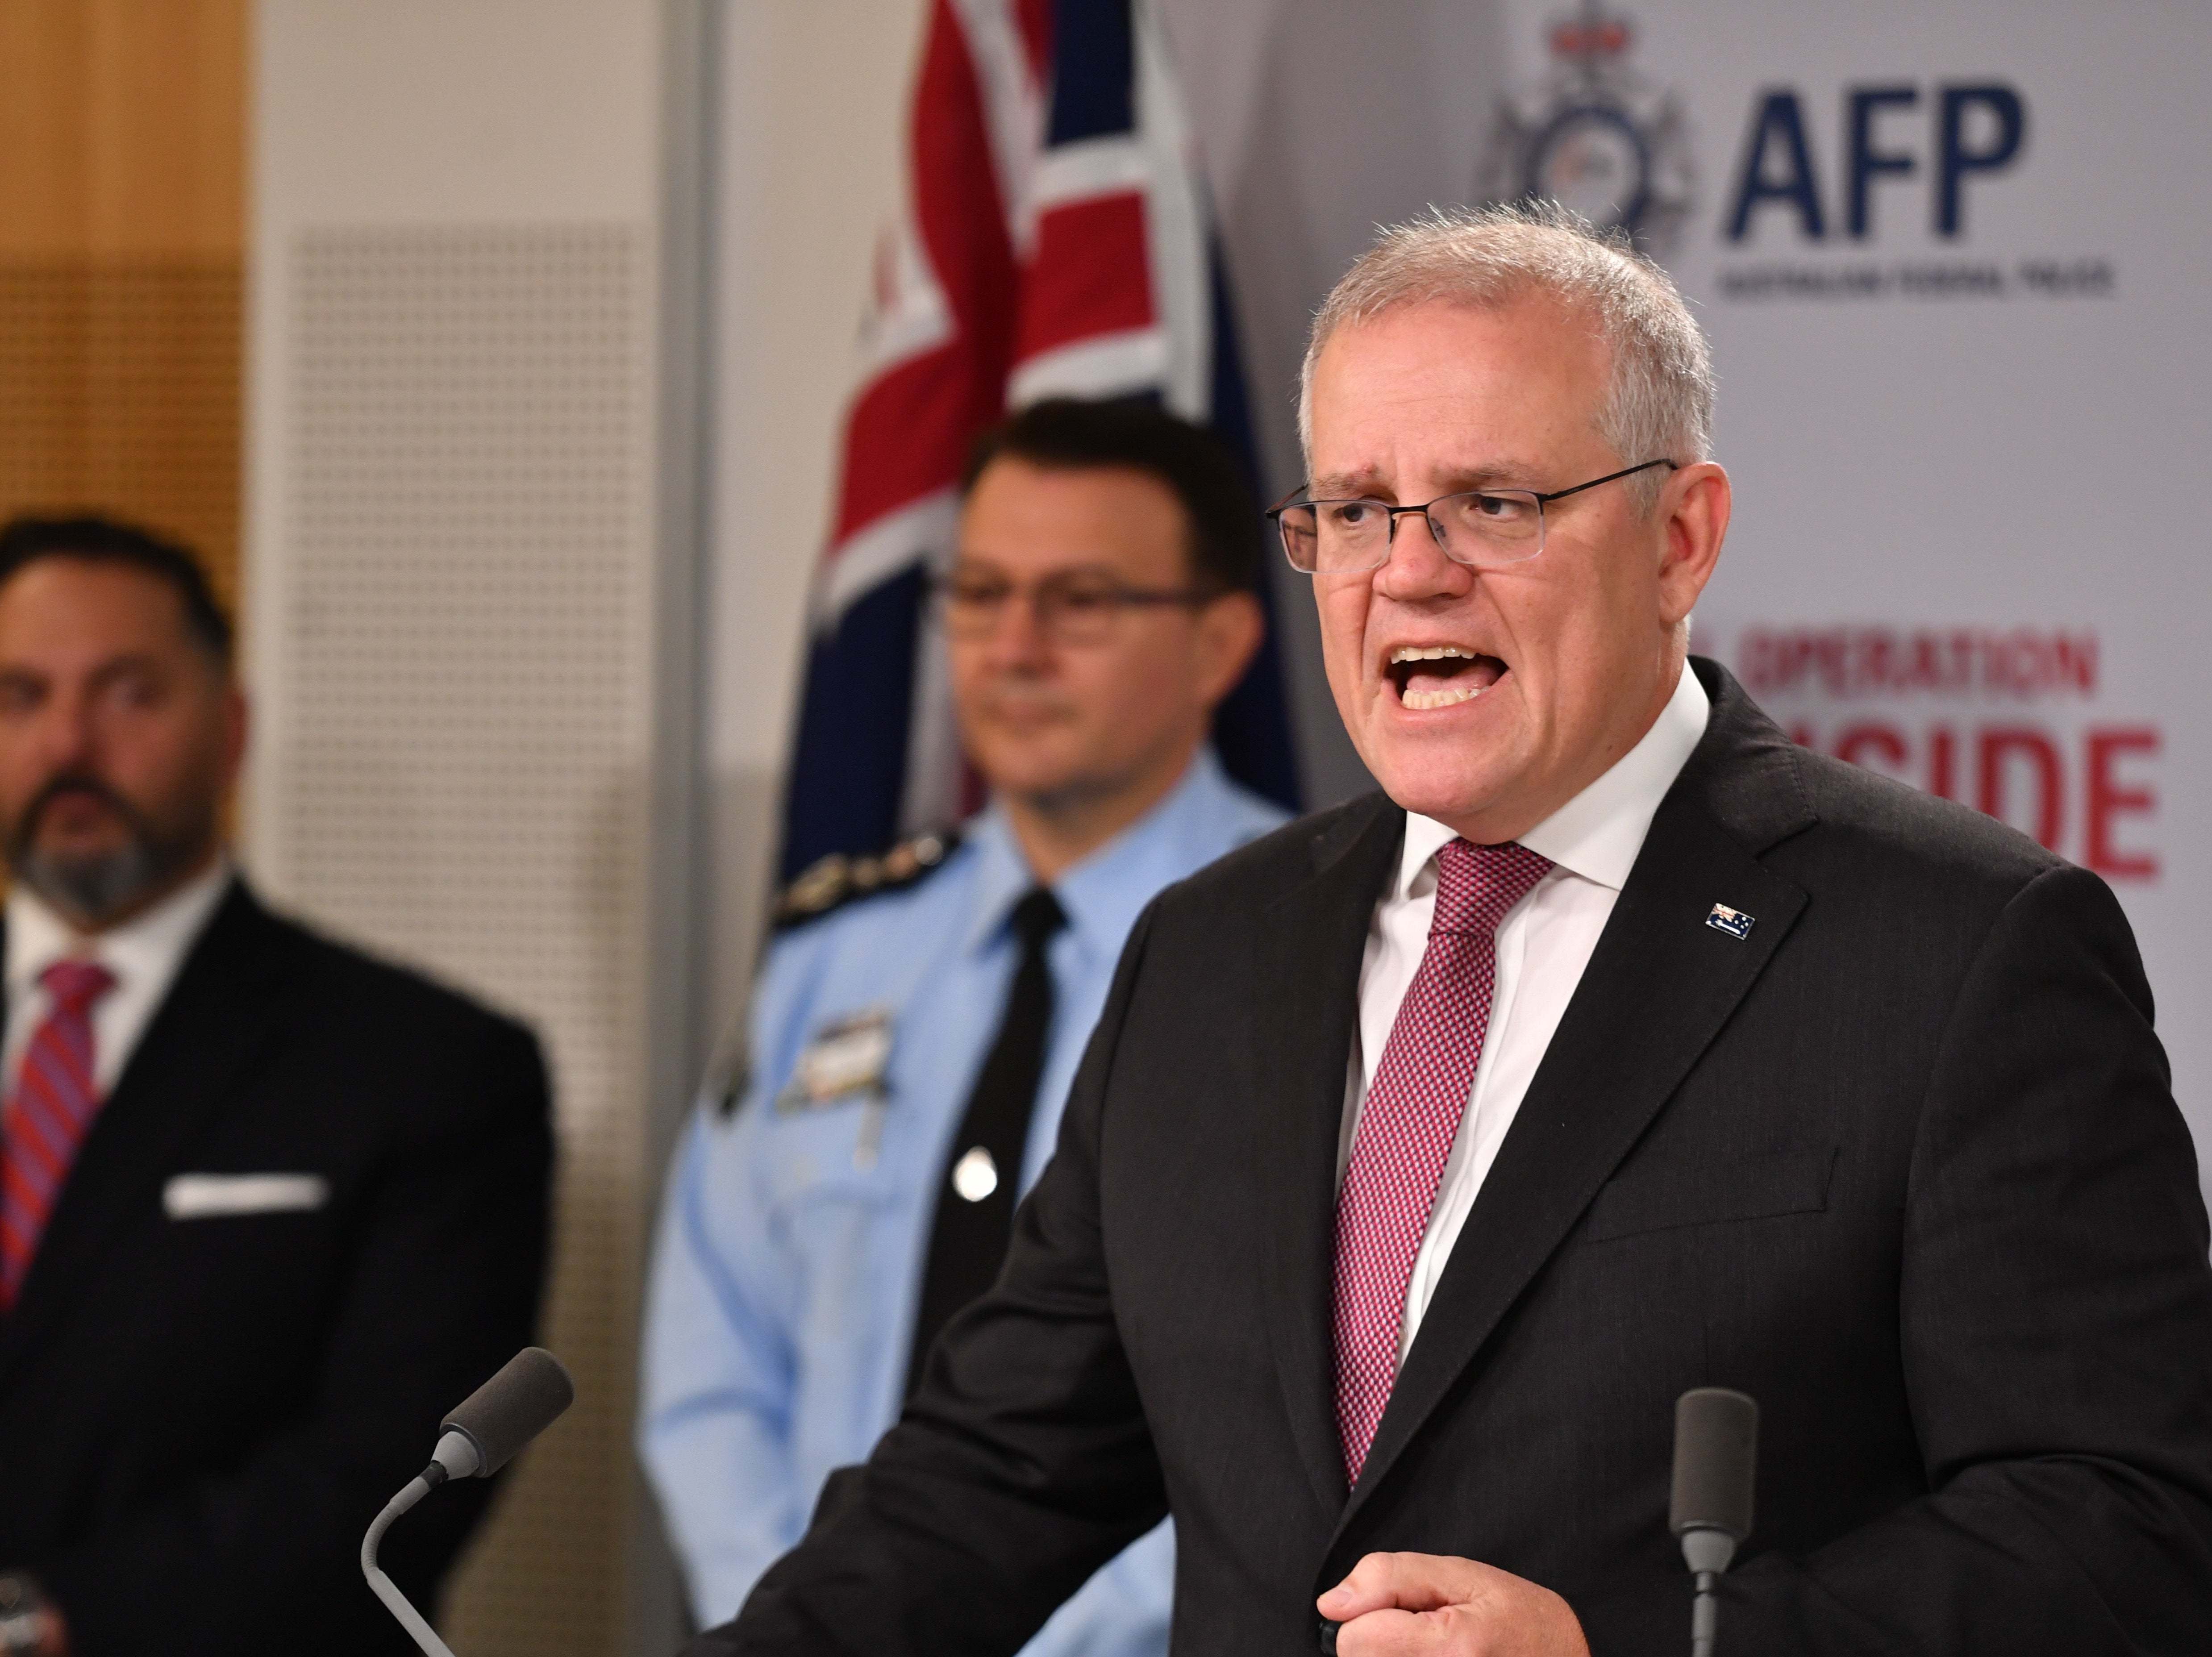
1736,924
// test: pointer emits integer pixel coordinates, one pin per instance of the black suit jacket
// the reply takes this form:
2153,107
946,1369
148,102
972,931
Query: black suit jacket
198,1418
1902,1163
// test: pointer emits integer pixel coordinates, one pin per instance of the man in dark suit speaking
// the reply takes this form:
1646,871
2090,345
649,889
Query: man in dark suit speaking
267,1207
1427,1149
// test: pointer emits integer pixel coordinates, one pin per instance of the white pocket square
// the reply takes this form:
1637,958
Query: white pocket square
207,1195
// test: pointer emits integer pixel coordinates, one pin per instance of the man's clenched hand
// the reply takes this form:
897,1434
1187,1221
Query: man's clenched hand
1398,1604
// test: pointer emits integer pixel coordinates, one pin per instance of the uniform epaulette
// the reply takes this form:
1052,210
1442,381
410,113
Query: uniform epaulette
830,883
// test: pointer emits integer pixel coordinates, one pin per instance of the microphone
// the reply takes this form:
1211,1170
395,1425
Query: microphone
1715,1469
476,1441
521,1401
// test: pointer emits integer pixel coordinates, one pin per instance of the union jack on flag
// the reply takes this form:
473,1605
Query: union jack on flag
1054,241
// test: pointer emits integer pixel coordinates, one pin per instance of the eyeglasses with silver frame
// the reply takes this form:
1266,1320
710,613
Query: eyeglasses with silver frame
1484,529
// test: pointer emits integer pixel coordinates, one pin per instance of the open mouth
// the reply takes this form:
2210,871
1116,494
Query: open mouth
1441,675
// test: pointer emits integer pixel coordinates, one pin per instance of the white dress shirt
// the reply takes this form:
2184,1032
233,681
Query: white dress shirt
144,954
1543,945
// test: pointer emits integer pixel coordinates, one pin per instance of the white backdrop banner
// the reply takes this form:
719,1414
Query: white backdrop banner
1953,262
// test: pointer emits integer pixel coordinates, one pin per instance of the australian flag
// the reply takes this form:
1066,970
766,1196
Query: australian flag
1054,241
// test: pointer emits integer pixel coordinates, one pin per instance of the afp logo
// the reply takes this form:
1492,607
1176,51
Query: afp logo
1893,135
1597,138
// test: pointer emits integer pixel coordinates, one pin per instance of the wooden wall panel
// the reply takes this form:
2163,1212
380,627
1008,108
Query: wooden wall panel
122,395
122,227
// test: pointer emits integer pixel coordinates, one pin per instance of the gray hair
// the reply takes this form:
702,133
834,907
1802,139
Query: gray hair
1662,400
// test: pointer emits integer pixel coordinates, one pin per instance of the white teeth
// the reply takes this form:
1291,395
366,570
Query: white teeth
1430,653
1445,698
1452,693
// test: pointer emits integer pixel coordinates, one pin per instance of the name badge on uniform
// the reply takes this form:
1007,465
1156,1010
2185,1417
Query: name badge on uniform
847,1056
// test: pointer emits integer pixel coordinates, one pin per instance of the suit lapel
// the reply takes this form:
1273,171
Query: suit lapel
1308,947
220,1011
1657,990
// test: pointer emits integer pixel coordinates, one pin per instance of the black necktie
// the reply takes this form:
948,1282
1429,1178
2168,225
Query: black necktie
975,1192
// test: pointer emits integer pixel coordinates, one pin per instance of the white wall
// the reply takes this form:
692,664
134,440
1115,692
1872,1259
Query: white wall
460,578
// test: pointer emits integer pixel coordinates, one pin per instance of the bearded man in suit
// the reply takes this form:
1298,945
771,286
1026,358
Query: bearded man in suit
1428,1149
267,1206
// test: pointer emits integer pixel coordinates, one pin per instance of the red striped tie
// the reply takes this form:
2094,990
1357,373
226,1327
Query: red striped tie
55,1101
1409,1120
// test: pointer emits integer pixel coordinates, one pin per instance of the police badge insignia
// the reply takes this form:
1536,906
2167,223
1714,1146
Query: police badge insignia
828,883
1595,136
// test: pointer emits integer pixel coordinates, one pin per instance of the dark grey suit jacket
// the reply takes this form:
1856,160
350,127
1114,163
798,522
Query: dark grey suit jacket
1902,1163
200,1418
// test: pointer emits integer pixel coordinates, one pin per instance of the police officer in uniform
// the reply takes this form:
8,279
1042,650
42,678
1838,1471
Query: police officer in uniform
920,1016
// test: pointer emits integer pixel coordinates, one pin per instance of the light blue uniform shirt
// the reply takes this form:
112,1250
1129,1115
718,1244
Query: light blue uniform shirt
780,1312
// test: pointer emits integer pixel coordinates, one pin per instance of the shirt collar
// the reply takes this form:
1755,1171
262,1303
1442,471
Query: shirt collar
1102,893
146,950
1598,833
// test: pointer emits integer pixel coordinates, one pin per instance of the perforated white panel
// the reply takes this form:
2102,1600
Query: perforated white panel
467,577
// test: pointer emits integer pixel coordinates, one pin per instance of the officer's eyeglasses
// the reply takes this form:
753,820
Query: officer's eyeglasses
1485,529
1077,607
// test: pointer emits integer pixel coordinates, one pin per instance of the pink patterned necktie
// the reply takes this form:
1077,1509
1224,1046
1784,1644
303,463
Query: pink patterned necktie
55,1099
1409,1120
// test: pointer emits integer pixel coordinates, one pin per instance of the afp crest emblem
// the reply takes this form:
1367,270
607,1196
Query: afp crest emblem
1597,137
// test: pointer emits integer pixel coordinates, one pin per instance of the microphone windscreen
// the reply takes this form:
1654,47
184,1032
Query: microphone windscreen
1716,1460
521,1401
